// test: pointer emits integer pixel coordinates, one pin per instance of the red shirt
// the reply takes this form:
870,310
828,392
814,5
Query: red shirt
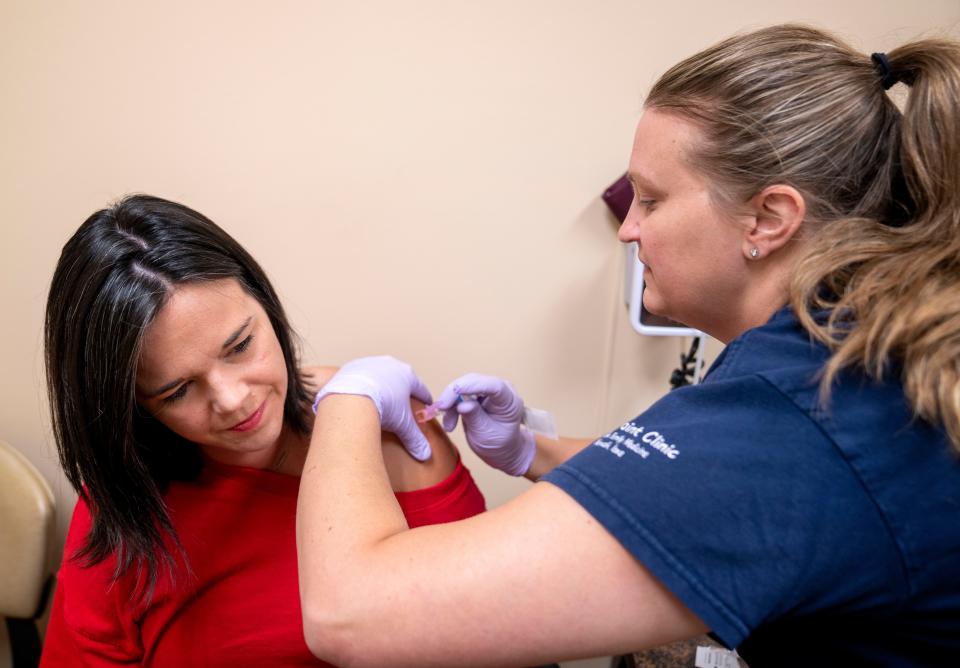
241,606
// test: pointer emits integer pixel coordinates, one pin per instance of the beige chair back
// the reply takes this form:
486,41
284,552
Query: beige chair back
26,534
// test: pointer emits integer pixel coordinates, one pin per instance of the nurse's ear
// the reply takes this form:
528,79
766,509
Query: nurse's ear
776,215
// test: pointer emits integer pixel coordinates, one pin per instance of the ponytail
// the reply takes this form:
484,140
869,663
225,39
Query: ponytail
893,286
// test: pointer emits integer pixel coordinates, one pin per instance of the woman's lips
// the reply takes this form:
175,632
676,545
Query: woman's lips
252,421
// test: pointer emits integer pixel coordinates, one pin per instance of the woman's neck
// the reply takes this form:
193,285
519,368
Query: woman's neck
290,453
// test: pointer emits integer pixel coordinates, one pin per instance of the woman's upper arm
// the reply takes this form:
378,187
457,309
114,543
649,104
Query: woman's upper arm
531,582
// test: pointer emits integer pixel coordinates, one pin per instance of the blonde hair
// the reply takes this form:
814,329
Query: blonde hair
794,105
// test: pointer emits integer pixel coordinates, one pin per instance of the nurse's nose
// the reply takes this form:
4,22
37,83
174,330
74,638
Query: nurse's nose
630,227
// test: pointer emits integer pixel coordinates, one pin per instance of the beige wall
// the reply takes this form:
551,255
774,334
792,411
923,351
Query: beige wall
420,178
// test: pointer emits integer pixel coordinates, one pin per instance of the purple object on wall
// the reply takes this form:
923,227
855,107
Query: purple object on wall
619,196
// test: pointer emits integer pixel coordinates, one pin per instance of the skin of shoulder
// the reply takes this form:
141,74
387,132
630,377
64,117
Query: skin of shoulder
406,473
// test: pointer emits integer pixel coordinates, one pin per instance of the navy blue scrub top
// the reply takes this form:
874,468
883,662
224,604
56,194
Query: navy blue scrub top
801,535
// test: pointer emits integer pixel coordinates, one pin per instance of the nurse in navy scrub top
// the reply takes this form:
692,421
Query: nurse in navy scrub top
802,504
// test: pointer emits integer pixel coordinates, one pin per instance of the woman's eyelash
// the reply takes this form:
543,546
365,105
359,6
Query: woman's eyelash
181,391
243,345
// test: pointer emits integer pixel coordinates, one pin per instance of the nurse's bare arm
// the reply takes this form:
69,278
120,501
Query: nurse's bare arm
551,452
406,473
530,582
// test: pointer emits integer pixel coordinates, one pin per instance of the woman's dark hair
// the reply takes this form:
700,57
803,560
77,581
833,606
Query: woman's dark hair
113,277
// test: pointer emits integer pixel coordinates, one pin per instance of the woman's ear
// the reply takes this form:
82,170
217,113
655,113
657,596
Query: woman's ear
777,215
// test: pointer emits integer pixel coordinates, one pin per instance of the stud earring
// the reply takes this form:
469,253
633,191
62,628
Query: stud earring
754,252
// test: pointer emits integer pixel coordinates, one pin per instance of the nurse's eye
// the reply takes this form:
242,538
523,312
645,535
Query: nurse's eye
647,204
176,396
243,345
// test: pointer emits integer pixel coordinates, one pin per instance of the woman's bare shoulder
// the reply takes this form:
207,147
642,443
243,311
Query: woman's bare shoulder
315,377
406,473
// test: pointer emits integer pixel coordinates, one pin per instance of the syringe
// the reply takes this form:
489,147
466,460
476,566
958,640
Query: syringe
534,419
429,412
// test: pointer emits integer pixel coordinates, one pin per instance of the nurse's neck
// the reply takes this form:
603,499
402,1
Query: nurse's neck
755,306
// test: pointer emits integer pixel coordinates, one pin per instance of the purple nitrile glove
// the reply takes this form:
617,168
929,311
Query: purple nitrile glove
492,421
389,383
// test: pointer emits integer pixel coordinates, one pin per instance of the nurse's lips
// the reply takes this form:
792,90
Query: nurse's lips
252,421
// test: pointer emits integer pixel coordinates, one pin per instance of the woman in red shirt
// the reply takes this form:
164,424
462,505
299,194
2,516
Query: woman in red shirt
182,419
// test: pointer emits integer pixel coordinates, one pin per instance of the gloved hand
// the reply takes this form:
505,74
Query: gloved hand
492,421
389,383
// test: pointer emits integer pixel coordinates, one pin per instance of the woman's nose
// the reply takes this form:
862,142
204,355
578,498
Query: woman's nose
227,393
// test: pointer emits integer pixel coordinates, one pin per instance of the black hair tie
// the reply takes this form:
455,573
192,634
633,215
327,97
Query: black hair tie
882,64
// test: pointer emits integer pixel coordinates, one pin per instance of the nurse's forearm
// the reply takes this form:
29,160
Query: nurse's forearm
551,452
346,504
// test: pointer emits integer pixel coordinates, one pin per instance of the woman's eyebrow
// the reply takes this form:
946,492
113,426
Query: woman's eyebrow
236,335
641,182
169,386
